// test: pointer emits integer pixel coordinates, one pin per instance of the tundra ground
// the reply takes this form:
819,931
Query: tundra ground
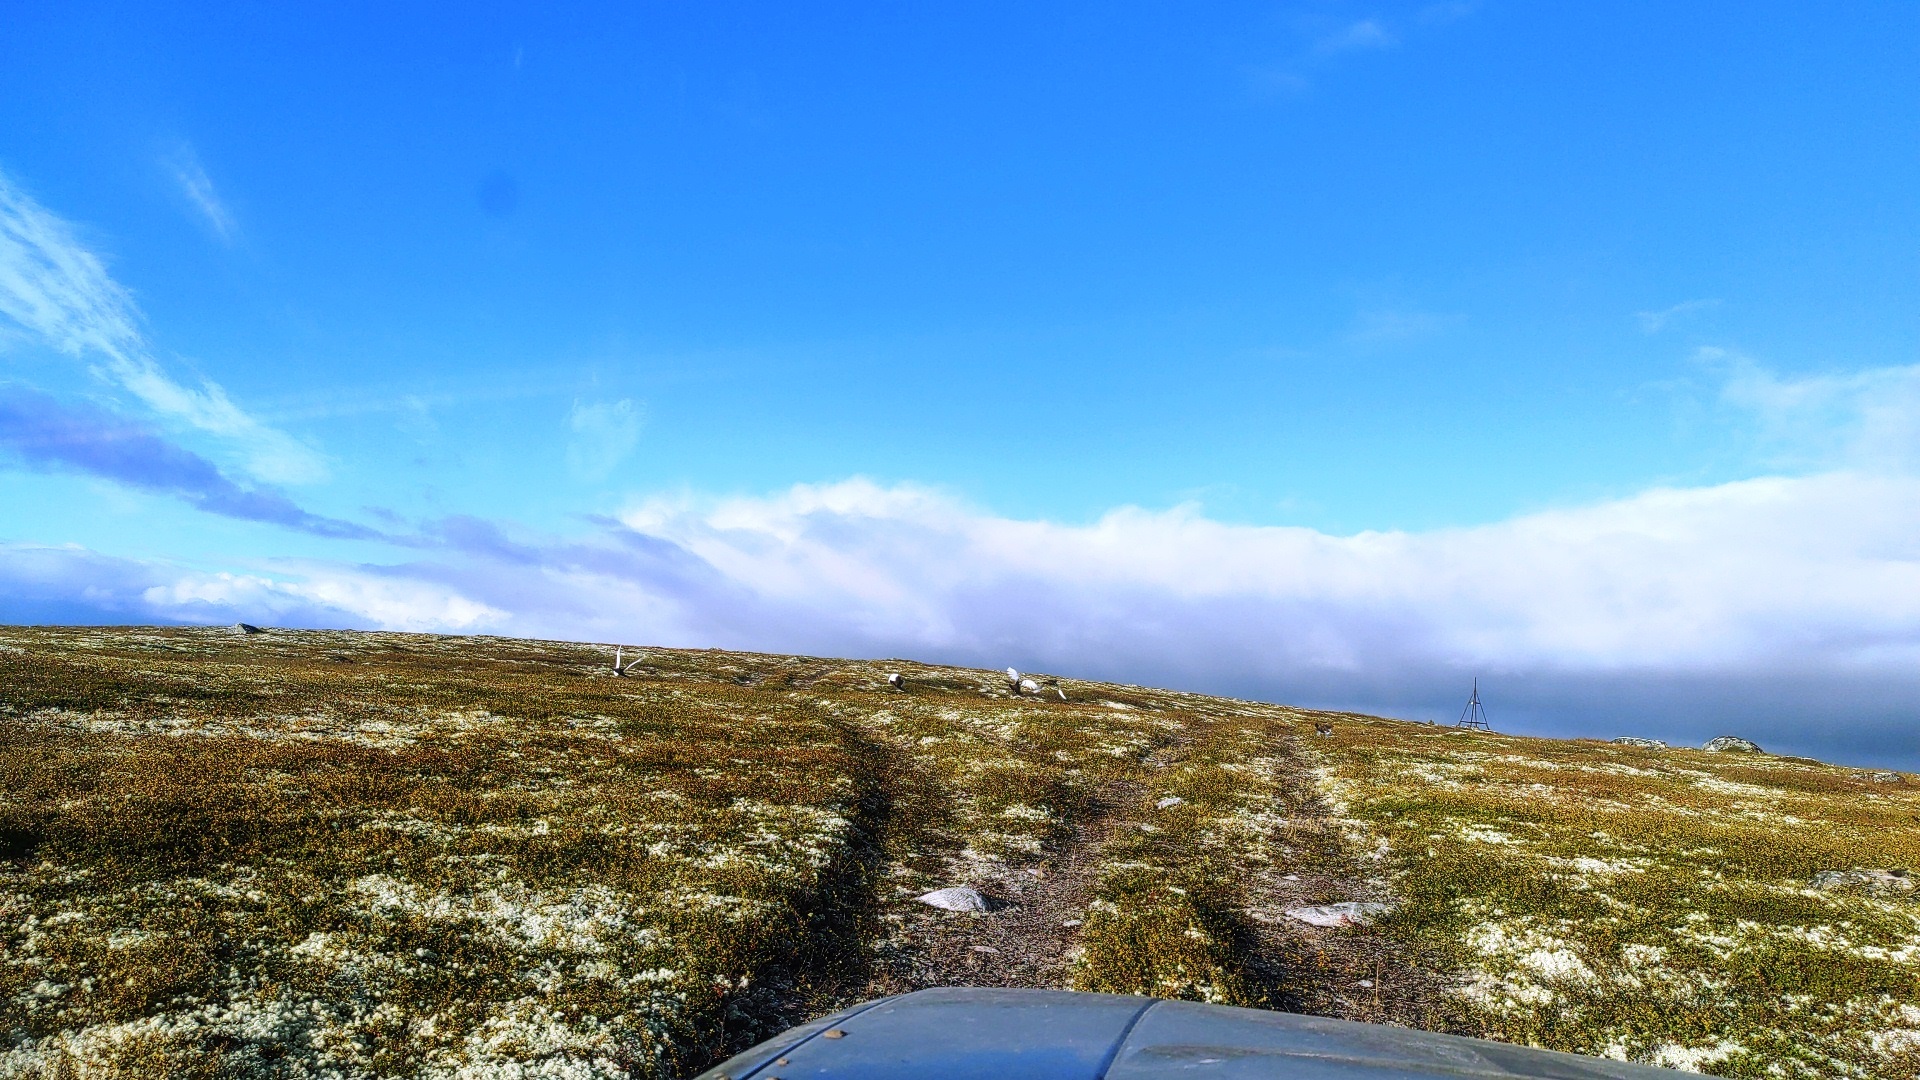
308,854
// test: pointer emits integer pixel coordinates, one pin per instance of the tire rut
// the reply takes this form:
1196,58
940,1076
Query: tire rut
1029,936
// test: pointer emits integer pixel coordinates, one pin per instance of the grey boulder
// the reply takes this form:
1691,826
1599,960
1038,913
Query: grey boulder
1347,913
956,898
1732,744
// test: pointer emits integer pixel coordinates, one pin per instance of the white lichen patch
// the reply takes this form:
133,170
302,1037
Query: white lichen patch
1637,905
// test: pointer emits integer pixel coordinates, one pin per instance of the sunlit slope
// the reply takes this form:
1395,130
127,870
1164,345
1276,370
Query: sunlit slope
1659,905
305,853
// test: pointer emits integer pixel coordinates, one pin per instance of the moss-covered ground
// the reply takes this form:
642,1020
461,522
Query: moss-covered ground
1649,904
308,854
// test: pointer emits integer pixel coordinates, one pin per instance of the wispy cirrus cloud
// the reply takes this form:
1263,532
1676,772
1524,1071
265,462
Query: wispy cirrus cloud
183,165
1447,11
1654,322
43,433
1320,42
1393,326
1866,419
601,435
1360,34
57,291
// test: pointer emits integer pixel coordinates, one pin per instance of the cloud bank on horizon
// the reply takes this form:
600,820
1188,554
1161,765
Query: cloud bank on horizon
1758,603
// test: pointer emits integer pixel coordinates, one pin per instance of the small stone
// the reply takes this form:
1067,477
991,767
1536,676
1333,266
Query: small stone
1368,983
1348,913
984,949
1872,881
1644,744
1070,923
956,898
1731,744
1171,800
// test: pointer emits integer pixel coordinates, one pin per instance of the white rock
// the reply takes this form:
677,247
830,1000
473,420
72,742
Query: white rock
1349,913
956,898
1731,744
1644,744
1873,881
1171,800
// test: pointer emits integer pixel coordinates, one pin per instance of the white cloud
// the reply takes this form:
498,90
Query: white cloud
1681,578
1448,11
367,600
1741,577
69,584
1867,419
1364,34
183,164
57,291
1393,327
601,436
1655,321
1784,608
1771,606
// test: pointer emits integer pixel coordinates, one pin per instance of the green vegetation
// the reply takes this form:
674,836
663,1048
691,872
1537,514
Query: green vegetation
1655,905
374,855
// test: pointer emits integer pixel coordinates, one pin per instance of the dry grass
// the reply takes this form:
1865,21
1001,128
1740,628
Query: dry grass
368,855
1654,905
381,856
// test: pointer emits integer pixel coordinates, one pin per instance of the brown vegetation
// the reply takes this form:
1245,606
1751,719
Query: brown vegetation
309,854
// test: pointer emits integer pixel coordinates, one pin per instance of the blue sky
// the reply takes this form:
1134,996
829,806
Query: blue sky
1572,345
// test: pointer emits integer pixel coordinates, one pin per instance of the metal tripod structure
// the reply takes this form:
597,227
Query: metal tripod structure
1474,715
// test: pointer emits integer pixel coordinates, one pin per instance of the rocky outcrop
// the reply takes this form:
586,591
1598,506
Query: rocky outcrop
1732,744
1644,744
